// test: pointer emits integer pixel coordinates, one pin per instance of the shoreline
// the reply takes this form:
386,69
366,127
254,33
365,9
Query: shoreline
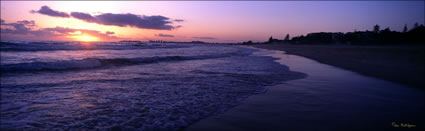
338,99
399,64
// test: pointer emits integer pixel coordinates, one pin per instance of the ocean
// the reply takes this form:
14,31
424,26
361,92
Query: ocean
127,85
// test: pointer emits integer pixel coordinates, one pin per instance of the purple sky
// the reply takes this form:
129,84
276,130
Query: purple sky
219,21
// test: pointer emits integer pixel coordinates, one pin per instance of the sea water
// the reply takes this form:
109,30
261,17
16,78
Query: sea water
114,85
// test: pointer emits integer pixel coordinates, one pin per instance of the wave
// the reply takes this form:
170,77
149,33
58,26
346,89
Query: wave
90,63
40,46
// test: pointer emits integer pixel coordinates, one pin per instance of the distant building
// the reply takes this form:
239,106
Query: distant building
274,41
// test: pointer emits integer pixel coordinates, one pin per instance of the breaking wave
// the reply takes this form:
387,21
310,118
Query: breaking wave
90,63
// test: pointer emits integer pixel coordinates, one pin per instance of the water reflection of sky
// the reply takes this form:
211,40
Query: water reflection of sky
333,95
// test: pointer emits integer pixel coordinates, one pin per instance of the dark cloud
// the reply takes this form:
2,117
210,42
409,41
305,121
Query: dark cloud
156,22
45,10
145,22
83,16
164,35
178,20
110,32
20,27
1,21
205,38
28,28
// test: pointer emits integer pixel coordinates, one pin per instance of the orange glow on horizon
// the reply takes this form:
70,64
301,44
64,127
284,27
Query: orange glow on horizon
86,38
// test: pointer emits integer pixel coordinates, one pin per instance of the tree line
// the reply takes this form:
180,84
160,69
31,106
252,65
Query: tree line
376,36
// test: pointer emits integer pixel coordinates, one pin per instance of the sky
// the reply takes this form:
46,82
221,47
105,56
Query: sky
210,21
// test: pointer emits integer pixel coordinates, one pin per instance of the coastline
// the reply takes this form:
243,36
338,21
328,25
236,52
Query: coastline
400,64
328,99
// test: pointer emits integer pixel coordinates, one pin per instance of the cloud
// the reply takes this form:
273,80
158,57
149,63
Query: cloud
20,27
60,30
29,23
164,35
156,22
83,16
45,10
73,32
110,32
205,38
28,28
178,20
131,20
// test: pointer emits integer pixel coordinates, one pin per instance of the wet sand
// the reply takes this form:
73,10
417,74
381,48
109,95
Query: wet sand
401,64
330,98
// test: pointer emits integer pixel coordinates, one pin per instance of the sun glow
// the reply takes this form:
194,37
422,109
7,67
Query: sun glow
86,38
